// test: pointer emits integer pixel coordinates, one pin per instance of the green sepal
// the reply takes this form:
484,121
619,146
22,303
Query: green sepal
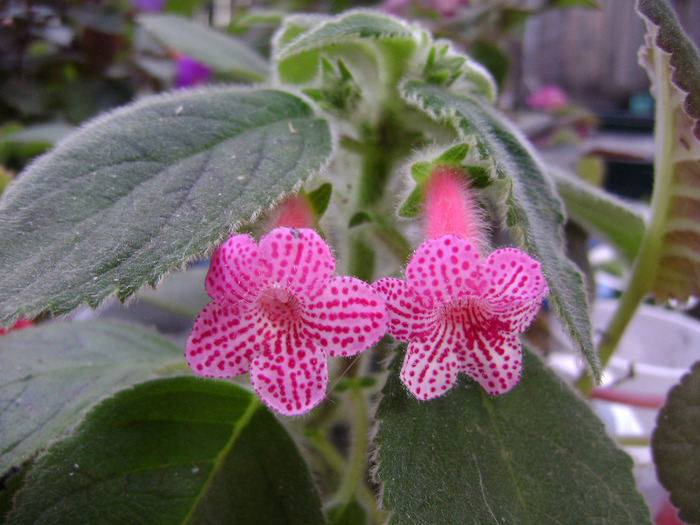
361,217
412,205
337,91
440,68
421,170
320,198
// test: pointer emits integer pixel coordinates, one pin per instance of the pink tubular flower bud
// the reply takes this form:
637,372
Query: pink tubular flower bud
449,207
293,212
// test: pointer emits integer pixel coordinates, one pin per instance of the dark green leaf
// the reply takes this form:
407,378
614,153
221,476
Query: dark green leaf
532,208
220,52
675,444
141,191
536,455
10,483
180,450
604,214
52,374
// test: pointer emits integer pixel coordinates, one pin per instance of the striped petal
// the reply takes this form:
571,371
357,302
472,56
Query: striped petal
347,317
431,364
407,315
223,341
290,375
297,260
444,269
234,272
513,284
493,360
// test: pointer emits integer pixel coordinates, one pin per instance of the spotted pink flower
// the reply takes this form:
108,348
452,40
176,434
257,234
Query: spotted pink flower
460,315
278,312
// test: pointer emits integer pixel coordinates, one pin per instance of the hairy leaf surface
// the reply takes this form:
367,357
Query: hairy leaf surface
53,373
675,444
139,192
534,456
178,450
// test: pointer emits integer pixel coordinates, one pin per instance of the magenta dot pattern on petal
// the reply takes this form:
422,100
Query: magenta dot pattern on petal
234,270
277,312
347,317
297,260
408,317
460,315
290,376
443,269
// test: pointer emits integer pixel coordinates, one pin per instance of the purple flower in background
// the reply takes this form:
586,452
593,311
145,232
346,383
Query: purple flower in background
150,6
189,72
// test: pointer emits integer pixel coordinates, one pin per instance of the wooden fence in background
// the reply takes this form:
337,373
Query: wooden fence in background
592,54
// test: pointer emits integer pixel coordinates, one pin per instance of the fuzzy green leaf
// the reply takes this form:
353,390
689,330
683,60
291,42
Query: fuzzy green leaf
531,207
139,192
602,213
357,36
675,444
180,450
52,374
534,456
216,50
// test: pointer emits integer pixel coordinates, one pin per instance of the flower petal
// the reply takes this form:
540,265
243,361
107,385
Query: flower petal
444,269
222,341
290,376
513,284
234,272
492,360
347,317
297,260
408,317
431,364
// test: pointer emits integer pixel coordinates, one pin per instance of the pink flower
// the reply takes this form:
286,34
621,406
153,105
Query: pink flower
548,98
278,312
462,316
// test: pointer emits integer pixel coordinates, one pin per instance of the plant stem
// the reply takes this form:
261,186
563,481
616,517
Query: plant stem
647,264
356,467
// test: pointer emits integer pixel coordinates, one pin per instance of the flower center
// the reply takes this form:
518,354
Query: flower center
279,306
470,312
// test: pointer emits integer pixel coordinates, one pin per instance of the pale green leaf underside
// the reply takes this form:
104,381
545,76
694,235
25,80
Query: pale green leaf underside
671,251
52,374
179,450
684,56
141,191
532,204
602,213
353,27
220,52
376,45
676,445
534,456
